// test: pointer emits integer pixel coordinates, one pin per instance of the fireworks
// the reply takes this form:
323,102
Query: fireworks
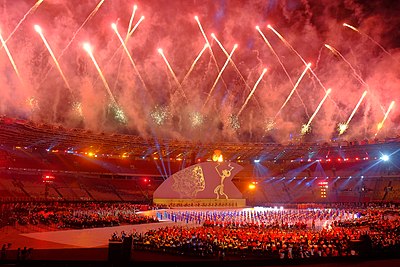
32,103
194,63
91,15
119,114
351,27
275,54
160,51
135,27
233,121
369,37
189,80
284,69
380,125
39,31
343,127
131,21
269,124
230,59
160,115
306,127
196,119
88,49
209,45
114,27
295,51
336,52
219,74
77,107
252,91
294,88
31,10
10,57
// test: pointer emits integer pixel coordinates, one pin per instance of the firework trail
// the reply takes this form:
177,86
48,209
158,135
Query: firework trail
39,31
252,92
380,125
31,10
3,43
209,46
131,21
219,75
293,90
91,15
233,63
126,41
283,67
343,127
114,27
88,49
194,63
369,37
355,74
134,28
73,37
160,51
306,127
297,53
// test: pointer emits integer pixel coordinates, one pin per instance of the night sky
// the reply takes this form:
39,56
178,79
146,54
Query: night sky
152,104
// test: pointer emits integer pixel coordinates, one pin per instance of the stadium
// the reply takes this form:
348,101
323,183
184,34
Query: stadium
259,133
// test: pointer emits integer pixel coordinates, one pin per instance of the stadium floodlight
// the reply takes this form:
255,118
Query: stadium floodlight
257,161
385,157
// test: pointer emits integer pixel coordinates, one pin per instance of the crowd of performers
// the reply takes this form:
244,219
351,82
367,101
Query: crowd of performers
266,232
275,233
73,215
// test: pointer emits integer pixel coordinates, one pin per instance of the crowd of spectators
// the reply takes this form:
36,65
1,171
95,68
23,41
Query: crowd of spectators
365,230
72,215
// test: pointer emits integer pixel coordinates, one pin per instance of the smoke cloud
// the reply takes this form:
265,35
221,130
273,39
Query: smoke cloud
158,106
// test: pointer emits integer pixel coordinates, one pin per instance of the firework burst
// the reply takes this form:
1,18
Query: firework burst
233,121
196,119
160,115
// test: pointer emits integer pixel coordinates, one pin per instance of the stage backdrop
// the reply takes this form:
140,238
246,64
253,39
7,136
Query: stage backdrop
204,184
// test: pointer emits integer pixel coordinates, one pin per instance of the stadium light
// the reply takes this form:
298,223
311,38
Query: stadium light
385,157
